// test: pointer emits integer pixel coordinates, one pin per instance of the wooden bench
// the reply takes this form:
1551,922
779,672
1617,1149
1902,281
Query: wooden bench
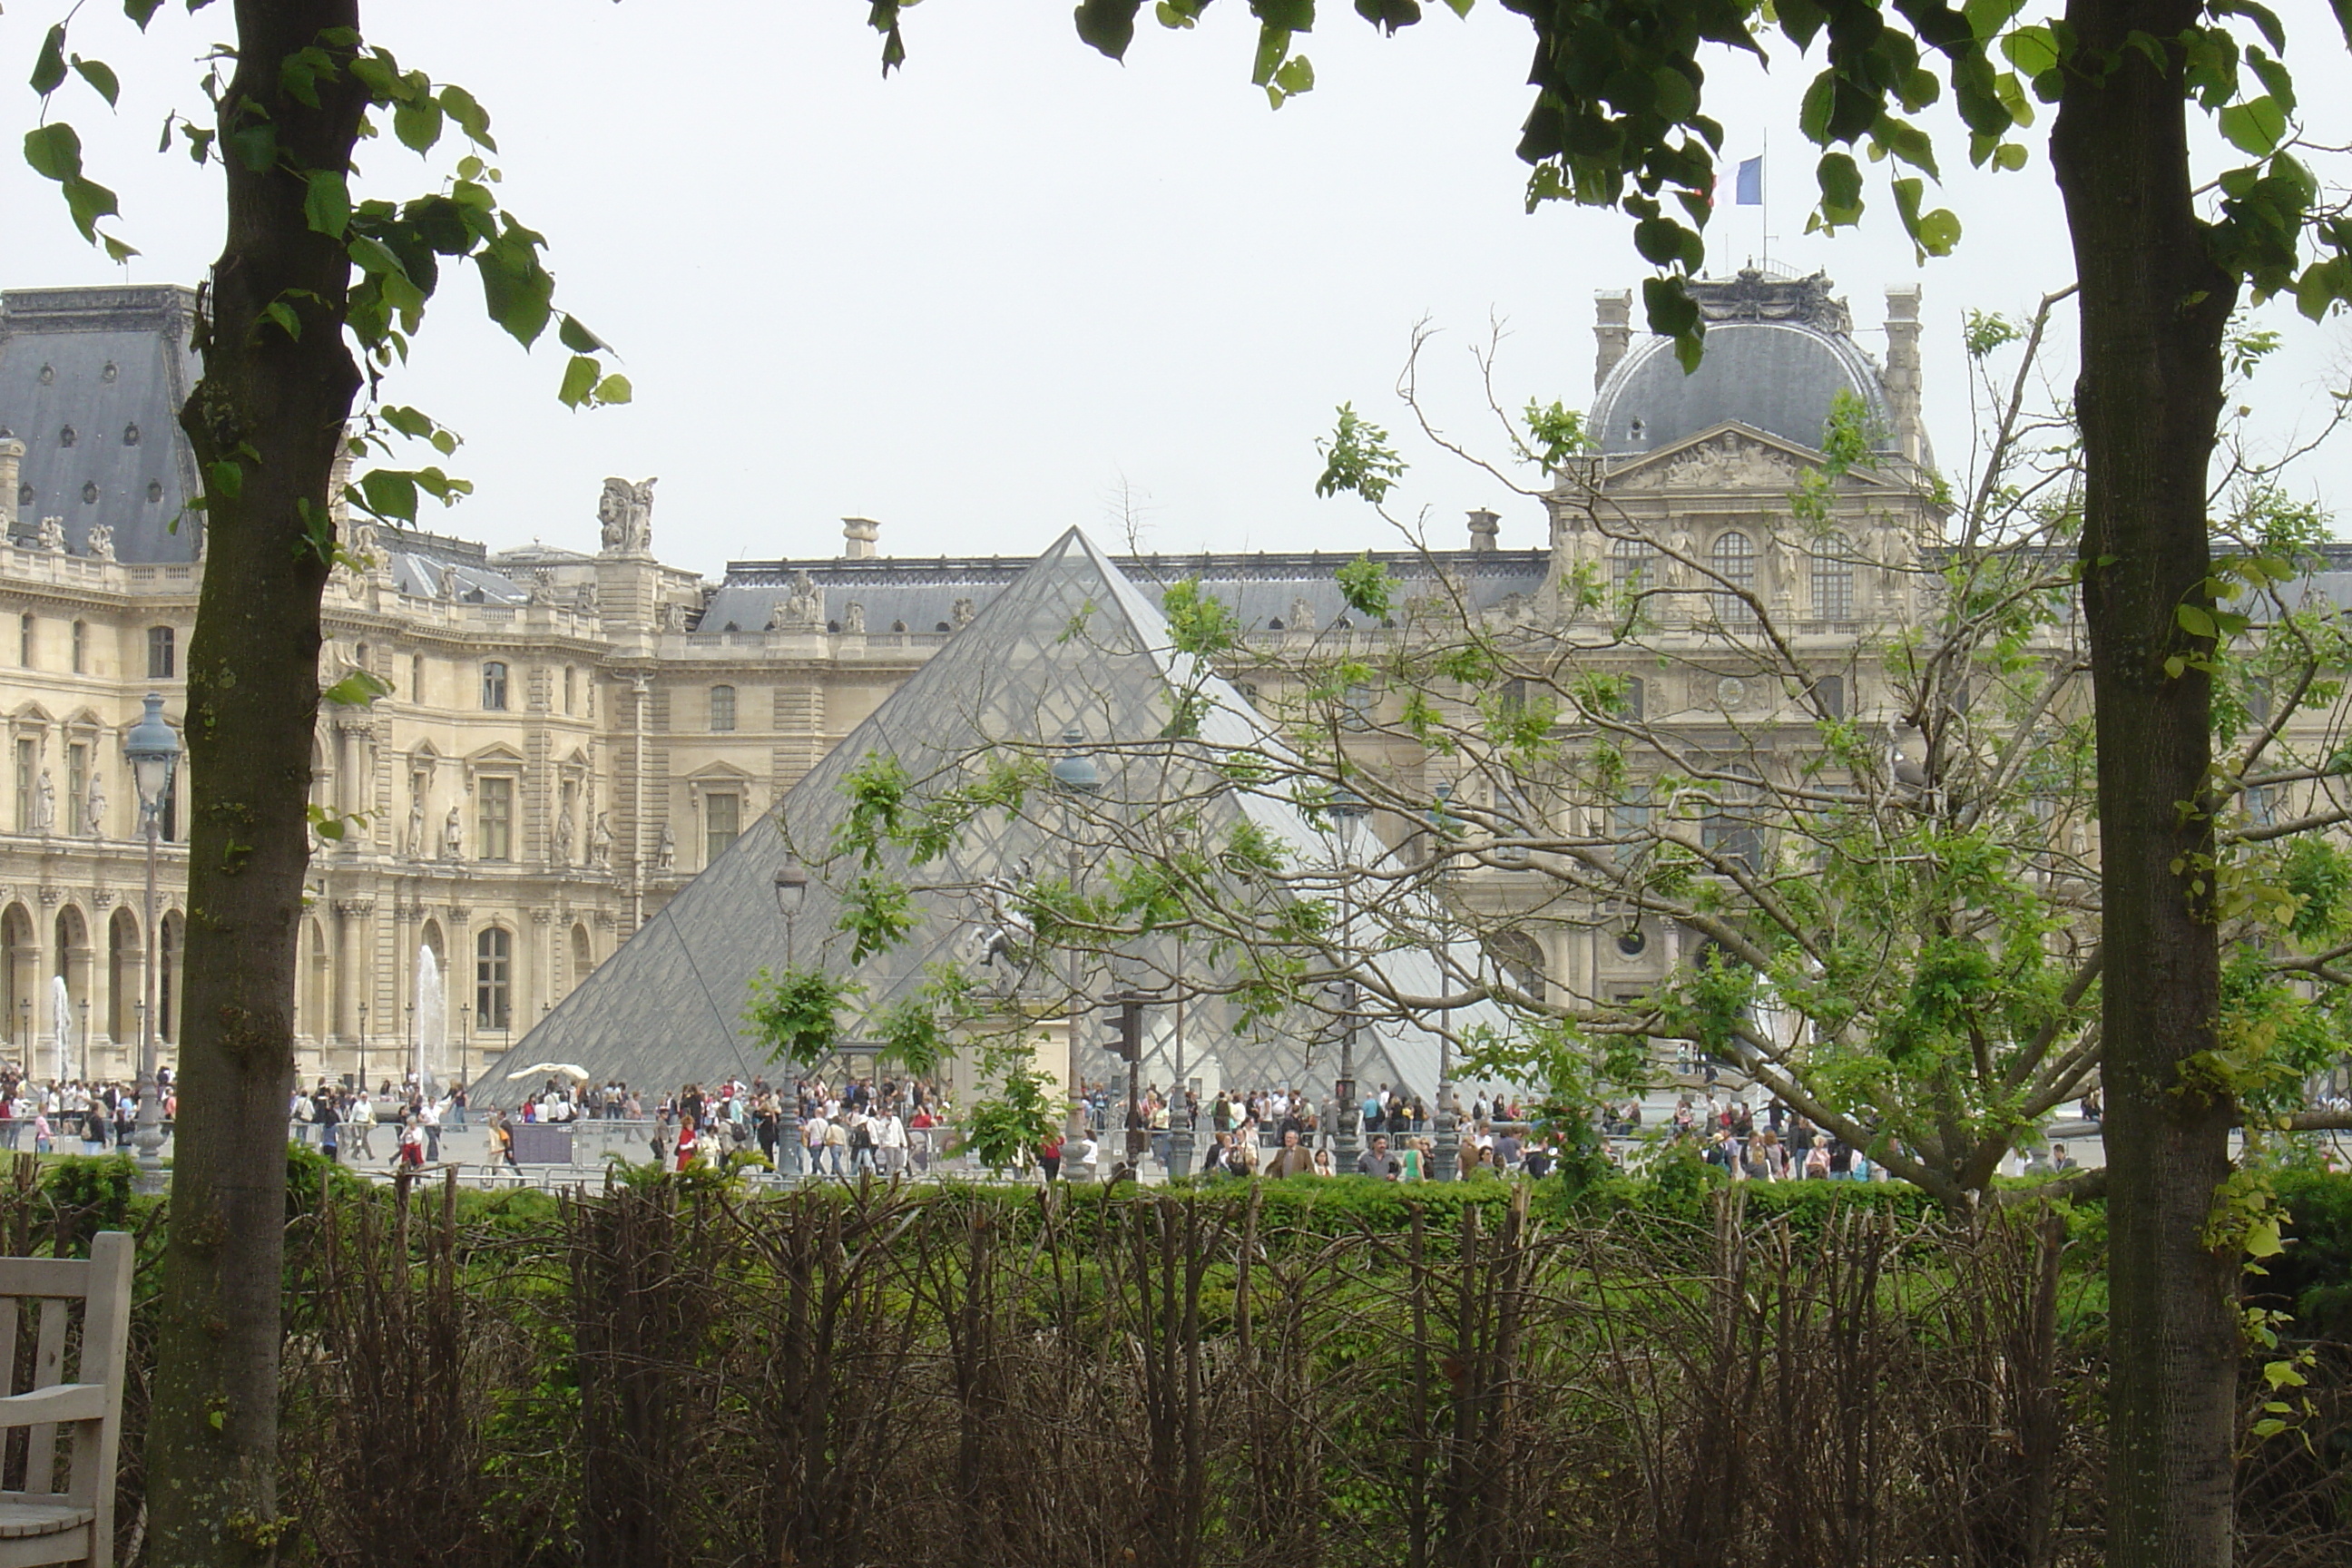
46,1523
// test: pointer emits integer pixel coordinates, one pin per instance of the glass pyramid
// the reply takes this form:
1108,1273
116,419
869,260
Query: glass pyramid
1070,647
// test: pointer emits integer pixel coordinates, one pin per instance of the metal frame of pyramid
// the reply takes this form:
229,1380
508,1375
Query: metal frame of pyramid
1070,645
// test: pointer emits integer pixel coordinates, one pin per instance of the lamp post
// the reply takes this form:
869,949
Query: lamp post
362,1049
24,1029
1348,811
85,1039
791,892
465,1039
1074,775
153,749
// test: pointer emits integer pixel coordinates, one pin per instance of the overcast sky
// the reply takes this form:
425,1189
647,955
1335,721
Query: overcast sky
979,299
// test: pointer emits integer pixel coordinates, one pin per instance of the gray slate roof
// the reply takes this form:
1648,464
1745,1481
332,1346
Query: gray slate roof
920,596
1070,643
111,366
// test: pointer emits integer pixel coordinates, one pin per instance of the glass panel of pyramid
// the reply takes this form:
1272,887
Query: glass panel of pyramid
1070,647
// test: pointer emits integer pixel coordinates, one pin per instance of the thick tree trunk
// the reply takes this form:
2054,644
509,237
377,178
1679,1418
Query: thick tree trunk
2154,306
274,407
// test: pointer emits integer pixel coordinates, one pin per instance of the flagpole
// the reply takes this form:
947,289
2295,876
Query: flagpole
1764,197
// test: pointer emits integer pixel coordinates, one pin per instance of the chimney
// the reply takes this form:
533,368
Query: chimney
858,534
1612,330
1483,527
12,478
1902,369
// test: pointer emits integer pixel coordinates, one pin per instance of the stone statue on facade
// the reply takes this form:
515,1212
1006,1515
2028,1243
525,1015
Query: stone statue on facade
449,582
1783,552
804,609
960,613
1679,548
1302,617
45,804
93,806
626,512
563,833
53,534
1891,548
666,852
415,845
673,616
600,842
100,541
853,618
453,837
583,598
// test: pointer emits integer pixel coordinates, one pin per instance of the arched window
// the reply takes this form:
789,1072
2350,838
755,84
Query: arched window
162,653
493,964
1834,579
1519,960
722,710
584,956
1735,568
494,685
1632,565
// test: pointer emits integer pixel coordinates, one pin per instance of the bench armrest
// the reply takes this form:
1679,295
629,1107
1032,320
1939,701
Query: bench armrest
63,1401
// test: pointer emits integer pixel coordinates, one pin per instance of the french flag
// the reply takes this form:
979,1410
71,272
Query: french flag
1747,190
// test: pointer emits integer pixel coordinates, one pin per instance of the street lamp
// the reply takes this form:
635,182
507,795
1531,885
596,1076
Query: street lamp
85,1039
1074,775
1348,812
362,1053
465,1039
24,1029
791,892
153,749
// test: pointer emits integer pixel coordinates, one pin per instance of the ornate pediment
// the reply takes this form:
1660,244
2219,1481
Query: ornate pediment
1727,459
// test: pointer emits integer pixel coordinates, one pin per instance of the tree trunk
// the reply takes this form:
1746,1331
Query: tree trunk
267,417
2154,306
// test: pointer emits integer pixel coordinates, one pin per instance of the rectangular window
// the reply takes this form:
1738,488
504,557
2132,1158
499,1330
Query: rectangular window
493,993
1633,812
167,814
24,639
495,813
77,788
80,647
161,652
494,686
26,752
1830,692
722,710
722,821
416,679
569,674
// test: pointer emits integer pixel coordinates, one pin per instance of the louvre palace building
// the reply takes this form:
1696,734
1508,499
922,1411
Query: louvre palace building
572,735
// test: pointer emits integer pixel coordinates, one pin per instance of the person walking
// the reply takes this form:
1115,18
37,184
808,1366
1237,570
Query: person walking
360,1123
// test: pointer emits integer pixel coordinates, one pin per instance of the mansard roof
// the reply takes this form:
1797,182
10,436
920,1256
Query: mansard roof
1264,589
91,381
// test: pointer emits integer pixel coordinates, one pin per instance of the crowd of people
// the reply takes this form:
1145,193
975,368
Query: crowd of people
71,1116
343,1120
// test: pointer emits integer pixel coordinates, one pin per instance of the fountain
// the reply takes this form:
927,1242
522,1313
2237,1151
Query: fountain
61,1023
432,1018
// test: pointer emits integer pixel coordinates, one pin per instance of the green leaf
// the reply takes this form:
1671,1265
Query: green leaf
471,117
389,492
1840,183
578,381
2255,127
615,388
578,338
417,124
1108,26
327,202
2194,620
254,146
356,690
88,201
2033,50
141,11
100,76
49,67
282,313
226,477
1937,231
54,151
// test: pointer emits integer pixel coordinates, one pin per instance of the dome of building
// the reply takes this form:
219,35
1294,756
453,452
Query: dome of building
1779,350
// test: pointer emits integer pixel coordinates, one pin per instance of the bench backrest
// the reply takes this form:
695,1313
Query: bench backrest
37,1299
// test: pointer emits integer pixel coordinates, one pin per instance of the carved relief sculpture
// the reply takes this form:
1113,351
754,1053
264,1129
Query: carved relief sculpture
100,541
45,804
53,534
93,806
600,843
804,609
666,852
1302,616
960,613
453,837
853,618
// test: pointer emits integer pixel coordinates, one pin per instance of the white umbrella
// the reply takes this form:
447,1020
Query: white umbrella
579,1073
